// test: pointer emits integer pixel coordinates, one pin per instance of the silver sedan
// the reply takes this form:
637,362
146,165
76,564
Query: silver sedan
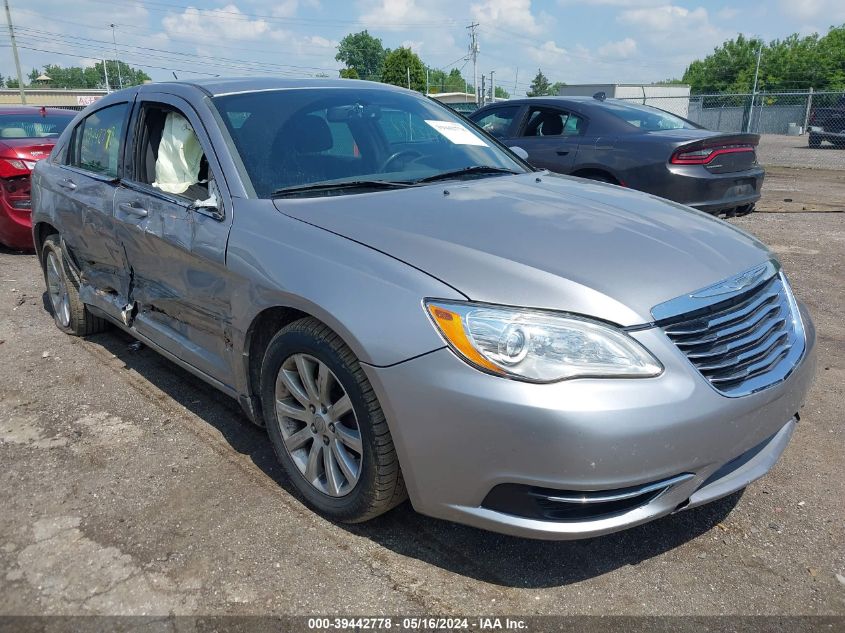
413,311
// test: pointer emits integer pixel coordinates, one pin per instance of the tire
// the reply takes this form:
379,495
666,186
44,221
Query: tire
814,141
600,178
69,313
748,209
310,347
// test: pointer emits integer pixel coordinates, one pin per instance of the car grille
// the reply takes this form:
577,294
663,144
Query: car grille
743,344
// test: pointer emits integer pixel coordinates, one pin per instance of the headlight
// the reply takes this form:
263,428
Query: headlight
539,346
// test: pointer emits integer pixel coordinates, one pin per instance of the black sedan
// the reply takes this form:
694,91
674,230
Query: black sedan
634,146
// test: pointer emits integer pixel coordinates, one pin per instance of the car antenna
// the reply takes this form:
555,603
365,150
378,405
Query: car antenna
175,77
600,96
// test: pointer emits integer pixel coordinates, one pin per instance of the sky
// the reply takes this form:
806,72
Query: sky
575,41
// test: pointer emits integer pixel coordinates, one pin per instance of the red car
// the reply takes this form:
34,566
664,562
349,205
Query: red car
27,134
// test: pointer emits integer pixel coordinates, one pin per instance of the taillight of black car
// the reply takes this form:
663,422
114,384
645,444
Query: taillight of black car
719,154
706,155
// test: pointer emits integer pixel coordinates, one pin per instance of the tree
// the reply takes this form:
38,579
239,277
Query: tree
502,93
401,64
793,63
364,53
539,85
349,73
76,77
554,89
440,81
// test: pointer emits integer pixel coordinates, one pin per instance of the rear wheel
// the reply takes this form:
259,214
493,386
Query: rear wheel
326,425
598,177
69,313
814,140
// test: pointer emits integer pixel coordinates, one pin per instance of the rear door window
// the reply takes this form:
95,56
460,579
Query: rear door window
497,122
553,122
98,140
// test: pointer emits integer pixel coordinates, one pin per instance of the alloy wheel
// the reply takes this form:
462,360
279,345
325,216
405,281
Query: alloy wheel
57,289
318,424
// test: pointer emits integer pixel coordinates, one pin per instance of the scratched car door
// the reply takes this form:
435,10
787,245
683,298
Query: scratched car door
180,287
551,137
85,179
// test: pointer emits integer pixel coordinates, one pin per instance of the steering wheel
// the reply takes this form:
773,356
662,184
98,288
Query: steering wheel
411,153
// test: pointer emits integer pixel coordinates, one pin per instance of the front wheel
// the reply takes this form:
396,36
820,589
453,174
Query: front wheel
814,140
326,425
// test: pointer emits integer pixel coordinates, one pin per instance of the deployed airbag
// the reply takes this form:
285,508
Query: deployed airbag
179,155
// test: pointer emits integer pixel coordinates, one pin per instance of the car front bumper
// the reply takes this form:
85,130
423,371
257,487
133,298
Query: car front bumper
461,433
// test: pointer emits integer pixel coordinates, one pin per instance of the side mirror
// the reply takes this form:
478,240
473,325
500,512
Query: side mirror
520,152
210,205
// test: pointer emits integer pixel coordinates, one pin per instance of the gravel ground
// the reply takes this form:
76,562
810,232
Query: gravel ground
776,150
130,487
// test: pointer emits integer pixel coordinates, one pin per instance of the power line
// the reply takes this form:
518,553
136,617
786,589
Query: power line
183,70
145,49
164,7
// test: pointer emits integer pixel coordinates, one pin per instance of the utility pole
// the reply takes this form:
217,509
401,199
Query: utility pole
515,82
483,90
106,73
754,88
114,40
473,51
426,81
492,88
15,52
408,70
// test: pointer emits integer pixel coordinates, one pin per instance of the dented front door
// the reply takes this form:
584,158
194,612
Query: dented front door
179,296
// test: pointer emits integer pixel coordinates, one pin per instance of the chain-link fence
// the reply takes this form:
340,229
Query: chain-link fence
761,113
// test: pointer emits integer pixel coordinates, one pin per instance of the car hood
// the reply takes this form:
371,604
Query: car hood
543,241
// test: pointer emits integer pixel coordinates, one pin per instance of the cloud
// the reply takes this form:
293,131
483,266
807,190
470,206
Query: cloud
619,50
664,18
612,3
511,14
225,23
398,14
728,13
677,33
826,11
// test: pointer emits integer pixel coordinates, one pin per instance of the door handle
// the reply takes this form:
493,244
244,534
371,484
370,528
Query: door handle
562,152
131,209
67,183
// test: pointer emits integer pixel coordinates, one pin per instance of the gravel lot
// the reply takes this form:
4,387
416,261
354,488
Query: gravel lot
791,186
128,486
777,150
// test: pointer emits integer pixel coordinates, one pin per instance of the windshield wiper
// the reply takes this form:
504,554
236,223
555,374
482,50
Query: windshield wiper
472,169
337,186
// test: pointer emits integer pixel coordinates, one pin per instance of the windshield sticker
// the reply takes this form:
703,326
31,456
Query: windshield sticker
457,133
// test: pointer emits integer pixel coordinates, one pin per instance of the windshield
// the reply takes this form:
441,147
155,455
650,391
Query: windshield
33,125
295,138
647,118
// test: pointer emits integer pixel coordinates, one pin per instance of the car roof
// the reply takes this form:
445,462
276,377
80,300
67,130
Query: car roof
220,85
554,100
27,109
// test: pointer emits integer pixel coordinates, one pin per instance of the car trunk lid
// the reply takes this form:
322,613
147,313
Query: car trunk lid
719,153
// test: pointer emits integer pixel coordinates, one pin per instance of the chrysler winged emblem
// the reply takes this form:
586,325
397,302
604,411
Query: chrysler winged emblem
734,284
